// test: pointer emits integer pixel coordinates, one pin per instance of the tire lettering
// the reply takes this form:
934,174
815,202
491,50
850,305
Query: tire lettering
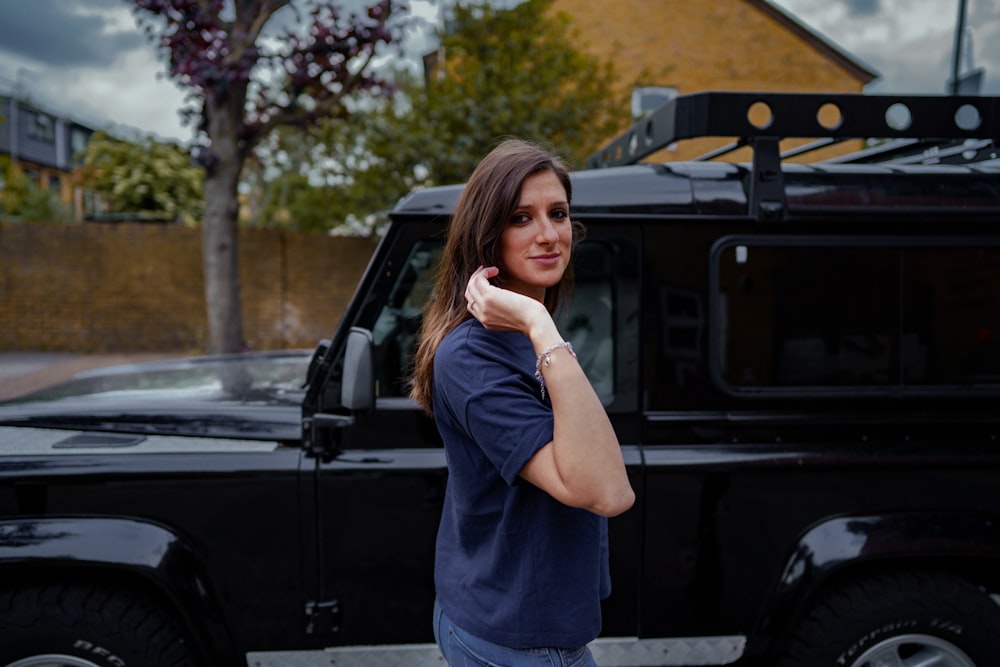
950,626
84,645
888,628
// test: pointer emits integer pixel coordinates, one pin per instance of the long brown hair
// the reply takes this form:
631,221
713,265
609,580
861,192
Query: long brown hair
483,211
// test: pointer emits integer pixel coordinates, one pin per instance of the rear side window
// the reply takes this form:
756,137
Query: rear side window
831,315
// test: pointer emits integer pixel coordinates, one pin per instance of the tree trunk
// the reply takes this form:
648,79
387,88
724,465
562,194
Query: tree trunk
219,236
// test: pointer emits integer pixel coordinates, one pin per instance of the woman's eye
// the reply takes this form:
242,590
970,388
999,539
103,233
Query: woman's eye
560,214
520,219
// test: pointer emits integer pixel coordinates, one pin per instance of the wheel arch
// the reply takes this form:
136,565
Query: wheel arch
121,551
839,548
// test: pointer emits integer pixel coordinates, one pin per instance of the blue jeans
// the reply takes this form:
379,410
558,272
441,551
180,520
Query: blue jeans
460,649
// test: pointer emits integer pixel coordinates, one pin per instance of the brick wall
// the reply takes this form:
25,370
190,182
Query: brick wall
126,287
699,45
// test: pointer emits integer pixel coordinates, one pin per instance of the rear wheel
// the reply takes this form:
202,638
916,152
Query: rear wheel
915,650
899,620
73,625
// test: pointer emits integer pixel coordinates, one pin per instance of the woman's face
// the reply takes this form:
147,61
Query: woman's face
535,245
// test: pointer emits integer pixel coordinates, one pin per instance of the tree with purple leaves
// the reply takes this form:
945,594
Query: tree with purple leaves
246,77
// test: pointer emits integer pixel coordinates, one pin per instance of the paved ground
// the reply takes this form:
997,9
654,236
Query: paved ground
24,372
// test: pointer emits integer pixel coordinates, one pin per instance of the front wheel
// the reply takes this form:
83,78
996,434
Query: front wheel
73,625
901,619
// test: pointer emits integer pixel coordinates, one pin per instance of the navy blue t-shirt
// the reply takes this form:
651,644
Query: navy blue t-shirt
514,566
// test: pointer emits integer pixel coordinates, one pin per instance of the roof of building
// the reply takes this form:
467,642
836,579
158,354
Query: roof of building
819,41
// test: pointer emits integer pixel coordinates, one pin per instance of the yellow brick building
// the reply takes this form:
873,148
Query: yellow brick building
697,45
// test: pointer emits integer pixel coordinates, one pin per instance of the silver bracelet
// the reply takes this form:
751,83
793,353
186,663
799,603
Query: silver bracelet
546,358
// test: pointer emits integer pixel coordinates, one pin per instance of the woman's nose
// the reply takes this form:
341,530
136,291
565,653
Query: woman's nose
547,231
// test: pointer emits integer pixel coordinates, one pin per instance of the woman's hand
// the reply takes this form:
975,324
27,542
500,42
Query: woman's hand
503,310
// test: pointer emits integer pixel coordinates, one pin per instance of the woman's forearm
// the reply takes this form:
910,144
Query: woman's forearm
583,464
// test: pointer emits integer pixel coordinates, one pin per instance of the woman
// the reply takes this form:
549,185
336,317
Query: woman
534,466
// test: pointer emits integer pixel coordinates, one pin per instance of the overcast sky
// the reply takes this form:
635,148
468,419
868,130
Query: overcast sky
910,43
86,59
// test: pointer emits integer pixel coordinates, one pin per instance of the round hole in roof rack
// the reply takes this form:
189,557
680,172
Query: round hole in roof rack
633,143
898,117
830,116
759,115
967,117
649,132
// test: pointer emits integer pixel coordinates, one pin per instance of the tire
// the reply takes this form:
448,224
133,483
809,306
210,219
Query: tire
899,619
74,625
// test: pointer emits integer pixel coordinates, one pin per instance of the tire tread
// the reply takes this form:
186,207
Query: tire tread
111,615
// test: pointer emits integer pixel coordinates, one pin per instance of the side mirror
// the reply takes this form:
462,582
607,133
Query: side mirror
357,389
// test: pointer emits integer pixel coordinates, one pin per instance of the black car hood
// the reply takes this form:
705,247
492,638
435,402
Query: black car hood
249,396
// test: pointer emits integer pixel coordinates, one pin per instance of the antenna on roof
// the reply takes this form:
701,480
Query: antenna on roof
954,83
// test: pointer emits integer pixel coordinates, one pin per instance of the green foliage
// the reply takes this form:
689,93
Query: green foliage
505,72
22,199
291,202
512,72
149,178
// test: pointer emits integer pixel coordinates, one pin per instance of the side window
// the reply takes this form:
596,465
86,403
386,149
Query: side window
950,332
587,320
817,317
398,323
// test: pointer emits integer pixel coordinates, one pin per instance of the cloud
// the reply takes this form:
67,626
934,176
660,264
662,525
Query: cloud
65,33
863,7
909,42
87,60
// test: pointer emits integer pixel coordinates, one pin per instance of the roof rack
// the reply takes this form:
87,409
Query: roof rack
915,151
762,120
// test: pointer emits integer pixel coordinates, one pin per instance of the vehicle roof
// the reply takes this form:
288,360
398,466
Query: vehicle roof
719,188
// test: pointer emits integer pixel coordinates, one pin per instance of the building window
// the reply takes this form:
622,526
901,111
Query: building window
41,127
78,140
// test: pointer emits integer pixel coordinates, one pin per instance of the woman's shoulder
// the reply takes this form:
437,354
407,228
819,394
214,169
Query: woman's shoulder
471,339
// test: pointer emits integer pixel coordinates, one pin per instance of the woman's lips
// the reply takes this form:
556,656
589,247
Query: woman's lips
546,260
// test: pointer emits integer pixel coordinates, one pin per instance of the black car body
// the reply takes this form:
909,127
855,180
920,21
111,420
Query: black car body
801,362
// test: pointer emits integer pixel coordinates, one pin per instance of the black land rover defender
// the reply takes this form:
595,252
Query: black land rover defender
801,361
